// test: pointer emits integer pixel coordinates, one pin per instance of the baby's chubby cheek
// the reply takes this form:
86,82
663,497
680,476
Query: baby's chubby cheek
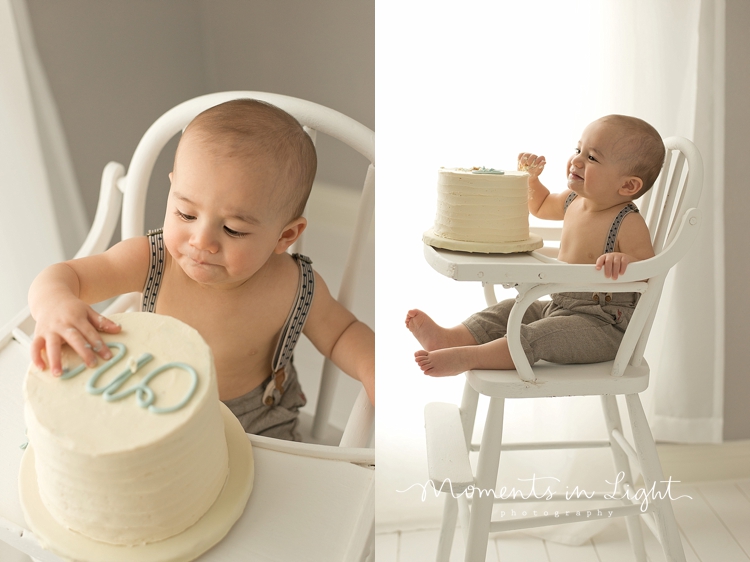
171,241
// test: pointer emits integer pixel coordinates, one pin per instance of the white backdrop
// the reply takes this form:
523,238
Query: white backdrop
474,85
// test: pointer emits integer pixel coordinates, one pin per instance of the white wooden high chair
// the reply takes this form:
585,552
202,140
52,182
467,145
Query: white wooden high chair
671,213
309,501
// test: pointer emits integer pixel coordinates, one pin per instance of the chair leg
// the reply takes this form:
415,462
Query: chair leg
447,528
633,522
468,411
653,478
482,500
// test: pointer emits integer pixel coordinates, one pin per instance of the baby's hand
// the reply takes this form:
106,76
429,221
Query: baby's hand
531,163
73,322
614,264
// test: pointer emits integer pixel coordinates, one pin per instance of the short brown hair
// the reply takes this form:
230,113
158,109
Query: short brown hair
641,148
250,127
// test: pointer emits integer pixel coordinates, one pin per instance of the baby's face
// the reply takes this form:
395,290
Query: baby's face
221,225
594,170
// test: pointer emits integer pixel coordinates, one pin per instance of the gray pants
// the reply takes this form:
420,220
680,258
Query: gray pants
571,328
279,421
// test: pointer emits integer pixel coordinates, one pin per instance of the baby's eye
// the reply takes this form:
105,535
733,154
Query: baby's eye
183,216
234,233
577,150
593,159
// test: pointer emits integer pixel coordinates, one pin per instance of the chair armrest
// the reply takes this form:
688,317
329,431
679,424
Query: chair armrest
358,455
22,322
107,212
527,295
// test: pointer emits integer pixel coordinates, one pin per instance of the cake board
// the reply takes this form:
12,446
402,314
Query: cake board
188,545
533,242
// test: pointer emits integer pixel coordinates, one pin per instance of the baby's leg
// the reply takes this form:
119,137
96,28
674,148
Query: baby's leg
492,322
432,336
489,348
455,360
575,338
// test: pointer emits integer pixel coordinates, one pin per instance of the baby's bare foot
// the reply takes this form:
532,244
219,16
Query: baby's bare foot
427,332
444,362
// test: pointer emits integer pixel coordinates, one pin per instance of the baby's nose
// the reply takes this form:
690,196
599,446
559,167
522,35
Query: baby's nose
203,239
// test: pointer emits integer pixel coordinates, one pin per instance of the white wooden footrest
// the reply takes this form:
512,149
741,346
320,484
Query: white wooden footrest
447,456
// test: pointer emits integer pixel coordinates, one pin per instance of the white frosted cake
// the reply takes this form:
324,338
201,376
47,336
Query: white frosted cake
482,210
121,472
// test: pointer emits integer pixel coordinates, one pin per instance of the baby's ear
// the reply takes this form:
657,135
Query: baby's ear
289,234
631,186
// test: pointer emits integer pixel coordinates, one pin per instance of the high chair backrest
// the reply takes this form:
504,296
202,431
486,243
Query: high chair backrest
133,185
675,192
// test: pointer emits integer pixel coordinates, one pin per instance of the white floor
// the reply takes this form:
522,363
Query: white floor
714,524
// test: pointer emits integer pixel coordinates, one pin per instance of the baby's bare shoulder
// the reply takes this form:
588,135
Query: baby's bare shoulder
278,281
285,268
634,222
634,237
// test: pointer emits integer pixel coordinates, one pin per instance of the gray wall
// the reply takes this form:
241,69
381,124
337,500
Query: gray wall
114,67
736,212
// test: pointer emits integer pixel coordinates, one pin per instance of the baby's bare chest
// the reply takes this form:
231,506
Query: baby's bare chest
584,237
242,329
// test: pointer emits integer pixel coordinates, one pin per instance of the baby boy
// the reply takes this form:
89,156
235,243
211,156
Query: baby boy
616,161
242,175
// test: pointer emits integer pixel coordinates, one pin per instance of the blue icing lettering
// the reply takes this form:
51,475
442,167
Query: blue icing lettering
144,394
483,170
120,380
69,374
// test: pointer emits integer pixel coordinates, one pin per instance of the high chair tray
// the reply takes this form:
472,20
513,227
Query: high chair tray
535,268
529,267
291,479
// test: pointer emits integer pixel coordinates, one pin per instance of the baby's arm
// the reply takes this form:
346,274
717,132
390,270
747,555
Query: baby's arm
338,335
542,203
634,243
59,297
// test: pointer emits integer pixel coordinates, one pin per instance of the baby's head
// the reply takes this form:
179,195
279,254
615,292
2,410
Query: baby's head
255,134
635,147
242,175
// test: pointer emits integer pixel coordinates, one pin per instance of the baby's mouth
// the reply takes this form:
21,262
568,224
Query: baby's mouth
574,177
200,262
